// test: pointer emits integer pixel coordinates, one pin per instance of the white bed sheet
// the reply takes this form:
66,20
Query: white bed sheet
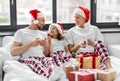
15,71
116,66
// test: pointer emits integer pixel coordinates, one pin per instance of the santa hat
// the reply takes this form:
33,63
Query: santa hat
58,26
35,15
83,12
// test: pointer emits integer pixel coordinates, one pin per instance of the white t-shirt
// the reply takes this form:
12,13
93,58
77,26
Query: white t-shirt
76,35
57,44
26,35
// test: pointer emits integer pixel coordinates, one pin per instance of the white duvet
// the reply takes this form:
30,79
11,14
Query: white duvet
15,71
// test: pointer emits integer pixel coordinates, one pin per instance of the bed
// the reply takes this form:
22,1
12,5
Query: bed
15,71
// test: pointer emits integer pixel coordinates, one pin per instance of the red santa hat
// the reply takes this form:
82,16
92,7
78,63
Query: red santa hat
83,12
58,26
35,15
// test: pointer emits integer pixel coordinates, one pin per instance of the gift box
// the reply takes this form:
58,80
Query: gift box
81,75
106,75
71,66
89,60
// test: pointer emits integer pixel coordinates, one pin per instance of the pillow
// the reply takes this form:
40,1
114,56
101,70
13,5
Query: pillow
6,40
7,44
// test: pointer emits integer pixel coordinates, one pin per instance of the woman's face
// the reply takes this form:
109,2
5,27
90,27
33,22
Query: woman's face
79,20
53,31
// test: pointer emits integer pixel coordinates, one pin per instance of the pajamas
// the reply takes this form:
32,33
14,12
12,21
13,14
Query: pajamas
60,57
45,65
40,65
102,51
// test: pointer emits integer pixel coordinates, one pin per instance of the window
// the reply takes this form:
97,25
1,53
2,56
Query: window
65,9
24,6
14,14
4,12
107,15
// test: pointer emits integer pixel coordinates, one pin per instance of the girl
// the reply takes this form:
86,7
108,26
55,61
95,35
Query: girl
57,44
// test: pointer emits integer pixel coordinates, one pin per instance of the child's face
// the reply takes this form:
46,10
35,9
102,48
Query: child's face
53,31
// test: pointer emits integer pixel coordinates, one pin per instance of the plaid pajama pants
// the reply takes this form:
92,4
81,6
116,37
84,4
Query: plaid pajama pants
60,57
40,65
45,65
102,51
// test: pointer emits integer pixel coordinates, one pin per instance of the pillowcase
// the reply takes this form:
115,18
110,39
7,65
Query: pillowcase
7,44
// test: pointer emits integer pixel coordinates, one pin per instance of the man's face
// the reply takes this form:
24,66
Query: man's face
79,20
41,22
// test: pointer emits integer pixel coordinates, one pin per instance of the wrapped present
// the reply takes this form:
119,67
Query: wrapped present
89,60
106,75
73,65
81,75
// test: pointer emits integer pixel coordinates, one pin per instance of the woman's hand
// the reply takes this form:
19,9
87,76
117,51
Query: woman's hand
91,42
83,44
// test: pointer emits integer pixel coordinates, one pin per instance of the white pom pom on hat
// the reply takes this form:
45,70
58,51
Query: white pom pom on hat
35,15
58,26
83,12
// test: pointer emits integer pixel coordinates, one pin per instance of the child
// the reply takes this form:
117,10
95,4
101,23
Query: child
57,44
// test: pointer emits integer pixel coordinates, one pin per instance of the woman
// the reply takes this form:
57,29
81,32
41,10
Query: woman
87,38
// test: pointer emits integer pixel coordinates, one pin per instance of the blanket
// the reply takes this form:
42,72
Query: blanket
15,71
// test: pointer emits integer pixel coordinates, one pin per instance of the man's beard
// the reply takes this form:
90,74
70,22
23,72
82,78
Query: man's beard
39,28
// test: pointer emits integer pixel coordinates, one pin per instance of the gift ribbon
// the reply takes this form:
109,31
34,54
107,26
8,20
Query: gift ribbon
95,74
94,55
76,76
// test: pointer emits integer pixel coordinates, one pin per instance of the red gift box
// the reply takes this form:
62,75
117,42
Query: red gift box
82,75
89,60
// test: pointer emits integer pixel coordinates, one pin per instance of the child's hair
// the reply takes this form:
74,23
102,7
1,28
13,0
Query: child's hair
60,37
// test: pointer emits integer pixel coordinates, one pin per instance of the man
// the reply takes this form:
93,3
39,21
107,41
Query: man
87,38
31,45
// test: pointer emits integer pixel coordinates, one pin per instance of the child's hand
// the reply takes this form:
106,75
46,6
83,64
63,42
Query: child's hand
50,34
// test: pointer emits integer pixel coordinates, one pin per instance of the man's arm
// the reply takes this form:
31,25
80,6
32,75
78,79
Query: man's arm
17,49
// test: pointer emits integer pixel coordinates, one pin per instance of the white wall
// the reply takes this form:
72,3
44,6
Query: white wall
111,38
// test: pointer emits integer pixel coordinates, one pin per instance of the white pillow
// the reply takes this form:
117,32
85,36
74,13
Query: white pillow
7,44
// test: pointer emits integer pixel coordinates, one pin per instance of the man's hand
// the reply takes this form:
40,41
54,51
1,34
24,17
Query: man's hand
36,42
43,42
